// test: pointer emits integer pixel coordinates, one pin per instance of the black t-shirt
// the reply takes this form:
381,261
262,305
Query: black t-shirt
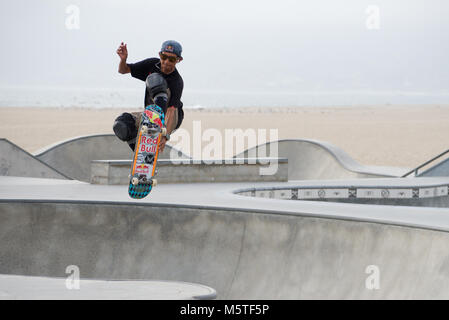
142,69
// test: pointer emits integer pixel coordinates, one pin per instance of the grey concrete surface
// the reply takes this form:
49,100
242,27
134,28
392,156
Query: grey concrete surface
14,287
241,254
400,191
194,171
73,157
206,234
308,159
221,196
244,248
313,160
440,169
14,161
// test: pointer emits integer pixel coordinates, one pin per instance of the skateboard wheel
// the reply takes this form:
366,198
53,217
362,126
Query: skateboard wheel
154,182
144,129
164,131
135,181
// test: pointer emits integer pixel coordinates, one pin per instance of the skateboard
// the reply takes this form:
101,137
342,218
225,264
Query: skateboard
143,170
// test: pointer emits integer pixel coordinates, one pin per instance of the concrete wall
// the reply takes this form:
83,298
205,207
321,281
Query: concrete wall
190,171
243,255
308,159
14,161
316,160
73,157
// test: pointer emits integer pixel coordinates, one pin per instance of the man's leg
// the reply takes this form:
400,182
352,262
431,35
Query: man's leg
159,93
138,116
127,124
157,89
125,128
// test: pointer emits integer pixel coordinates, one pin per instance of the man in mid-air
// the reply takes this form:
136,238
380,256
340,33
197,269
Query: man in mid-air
163,87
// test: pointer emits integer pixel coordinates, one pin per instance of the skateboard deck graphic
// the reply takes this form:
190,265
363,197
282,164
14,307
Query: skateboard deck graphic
143,170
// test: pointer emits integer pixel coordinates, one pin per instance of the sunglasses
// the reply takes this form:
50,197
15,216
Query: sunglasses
170,58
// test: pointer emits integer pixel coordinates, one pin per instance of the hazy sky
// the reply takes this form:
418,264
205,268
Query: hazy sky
235,45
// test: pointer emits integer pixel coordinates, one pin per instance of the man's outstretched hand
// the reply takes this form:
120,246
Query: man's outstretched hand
122,51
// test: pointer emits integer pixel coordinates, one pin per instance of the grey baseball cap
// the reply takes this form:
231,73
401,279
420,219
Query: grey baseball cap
172,46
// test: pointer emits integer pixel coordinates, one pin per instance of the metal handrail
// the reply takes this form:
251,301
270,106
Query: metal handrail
424,164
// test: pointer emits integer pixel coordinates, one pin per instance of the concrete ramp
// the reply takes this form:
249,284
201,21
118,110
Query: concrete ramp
315,160
307,159
43,288
439,170
242,254
14,161
73,157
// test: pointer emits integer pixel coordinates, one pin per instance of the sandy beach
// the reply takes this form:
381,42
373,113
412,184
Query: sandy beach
402,136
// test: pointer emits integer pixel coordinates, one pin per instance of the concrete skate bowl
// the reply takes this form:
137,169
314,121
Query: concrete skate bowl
14,161
416,193
73,157
315,160
242,254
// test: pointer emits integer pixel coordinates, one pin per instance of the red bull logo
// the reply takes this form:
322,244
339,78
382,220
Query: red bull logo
142,168
149,113
158,122
154,117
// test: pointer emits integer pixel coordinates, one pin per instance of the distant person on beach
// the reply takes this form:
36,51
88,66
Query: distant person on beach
163,87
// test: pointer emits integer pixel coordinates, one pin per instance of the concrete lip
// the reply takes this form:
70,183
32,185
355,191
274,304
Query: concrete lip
116,172
221,196
17,287
400,191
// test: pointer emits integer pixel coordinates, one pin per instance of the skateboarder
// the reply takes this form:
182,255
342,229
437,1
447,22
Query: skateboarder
163,87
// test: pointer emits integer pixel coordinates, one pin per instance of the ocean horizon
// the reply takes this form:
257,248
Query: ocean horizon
70,97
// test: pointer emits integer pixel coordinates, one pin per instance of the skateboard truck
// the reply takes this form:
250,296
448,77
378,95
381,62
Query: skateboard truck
146,129
136,180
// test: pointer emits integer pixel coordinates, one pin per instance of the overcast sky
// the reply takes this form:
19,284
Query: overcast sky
235,45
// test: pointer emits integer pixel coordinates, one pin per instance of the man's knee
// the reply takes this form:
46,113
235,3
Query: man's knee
125,127
157,89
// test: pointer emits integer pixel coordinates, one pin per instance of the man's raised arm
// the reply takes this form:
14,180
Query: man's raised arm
122,52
